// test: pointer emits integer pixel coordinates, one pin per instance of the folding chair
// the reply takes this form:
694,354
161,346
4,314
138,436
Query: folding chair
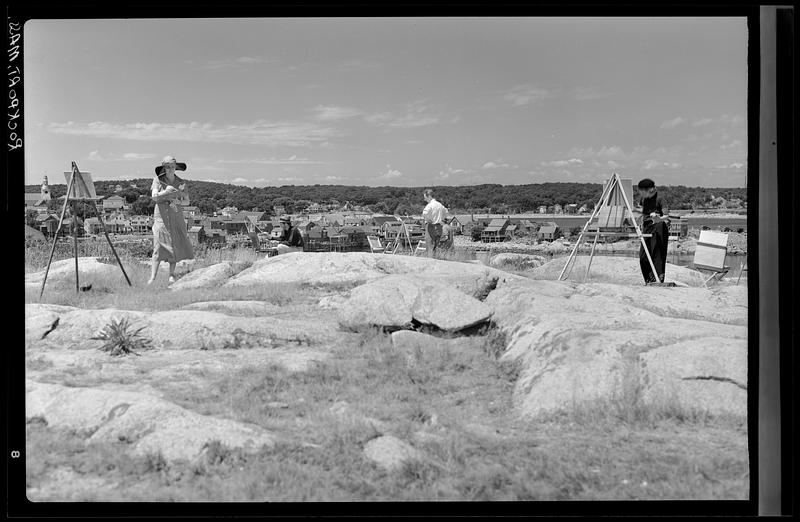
742,269
375,245
710,254
422,246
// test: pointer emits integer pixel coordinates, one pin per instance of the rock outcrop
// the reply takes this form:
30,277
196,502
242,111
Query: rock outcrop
514,261
148,423
354,268
207,277
613,269
175,329
580,343
393,301
90,269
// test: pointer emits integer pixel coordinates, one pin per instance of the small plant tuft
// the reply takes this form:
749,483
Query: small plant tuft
154,462
120,340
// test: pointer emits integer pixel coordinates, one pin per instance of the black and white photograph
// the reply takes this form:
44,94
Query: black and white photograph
370,259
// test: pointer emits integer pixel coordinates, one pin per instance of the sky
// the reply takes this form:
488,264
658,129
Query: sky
390,101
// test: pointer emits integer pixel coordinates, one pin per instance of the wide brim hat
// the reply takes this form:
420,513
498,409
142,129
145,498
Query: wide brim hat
178,166
285,219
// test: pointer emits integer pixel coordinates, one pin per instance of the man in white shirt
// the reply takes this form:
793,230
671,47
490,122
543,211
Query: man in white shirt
433,214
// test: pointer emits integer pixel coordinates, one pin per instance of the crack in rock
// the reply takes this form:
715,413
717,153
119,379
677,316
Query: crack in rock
714,378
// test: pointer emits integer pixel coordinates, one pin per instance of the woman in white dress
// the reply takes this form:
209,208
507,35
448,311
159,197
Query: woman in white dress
170,236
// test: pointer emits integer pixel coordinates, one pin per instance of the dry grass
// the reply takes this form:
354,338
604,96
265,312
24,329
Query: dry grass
475,447
460,400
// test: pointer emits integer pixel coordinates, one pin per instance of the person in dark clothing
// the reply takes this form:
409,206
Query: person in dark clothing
291,240
653,222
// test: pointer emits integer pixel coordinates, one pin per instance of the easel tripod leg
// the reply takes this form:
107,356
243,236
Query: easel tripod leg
113,250
58,230
75,244
591,256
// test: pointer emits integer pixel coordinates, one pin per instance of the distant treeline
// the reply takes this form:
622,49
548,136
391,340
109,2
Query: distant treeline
494,198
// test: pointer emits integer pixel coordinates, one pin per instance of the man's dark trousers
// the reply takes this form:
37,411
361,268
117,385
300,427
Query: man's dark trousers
434,233
657,246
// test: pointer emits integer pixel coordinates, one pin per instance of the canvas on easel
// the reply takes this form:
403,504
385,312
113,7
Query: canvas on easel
611,216
80,188
82,185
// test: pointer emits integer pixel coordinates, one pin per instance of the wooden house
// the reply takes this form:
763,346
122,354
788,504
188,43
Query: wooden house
547,232
141,224
214,238
495,230
511,231
197,235
47,224
527,227
113,204
390,229
33,235
92,226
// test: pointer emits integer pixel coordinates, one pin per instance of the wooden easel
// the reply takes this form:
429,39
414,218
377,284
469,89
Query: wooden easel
407,236
613,191
83,197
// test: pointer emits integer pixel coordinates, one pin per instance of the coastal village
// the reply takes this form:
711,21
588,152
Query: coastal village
348,227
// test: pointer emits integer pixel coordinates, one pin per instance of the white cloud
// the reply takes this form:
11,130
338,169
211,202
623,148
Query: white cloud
378,118
204,167
414,114
238,180
349,65
669,124
332,178
651,164
732,145
334,113
701,122
588,93
260,132
735,166
448,171
236,63
273,160
390,173
95,155
562,163
732,120
522,95
498,164
613,164
603,152
137,156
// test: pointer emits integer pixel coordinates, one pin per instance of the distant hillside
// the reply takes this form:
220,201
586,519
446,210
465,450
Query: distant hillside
208,196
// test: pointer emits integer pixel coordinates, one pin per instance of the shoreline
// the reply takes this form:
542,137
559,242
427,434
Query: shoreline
684,247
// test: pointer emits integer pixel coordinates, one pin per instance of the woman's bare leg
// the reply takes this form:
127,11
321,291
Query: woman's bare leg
172,272
153,270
